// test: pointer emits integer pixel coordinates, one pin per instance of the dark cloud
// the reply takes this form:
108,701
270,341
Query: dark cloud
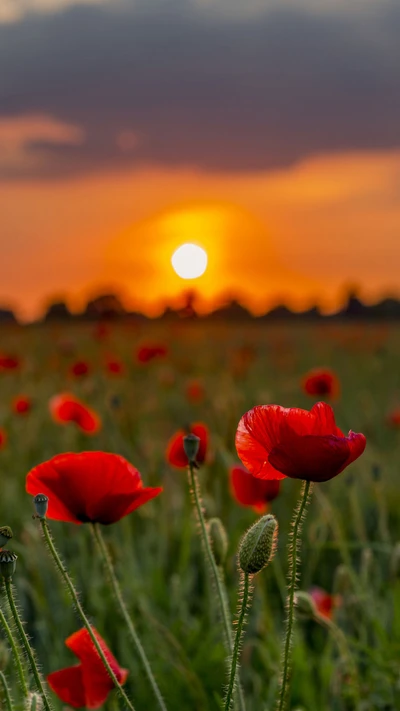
203,90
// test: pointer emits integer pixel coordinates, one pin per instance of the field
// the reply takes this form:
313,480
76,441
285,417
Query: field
351,537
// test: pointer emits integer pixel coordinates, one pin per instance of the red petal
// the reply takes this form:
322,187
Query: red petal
250,491
90,486
68,685
175,452
201,431
257,433
309,457
96,680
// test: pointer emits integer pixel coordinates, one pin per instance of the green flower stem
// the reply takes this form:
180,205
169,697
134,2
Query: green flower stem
74,595
294,564
6,692
125,614
344,652
245,596
222,598
25,642
15,653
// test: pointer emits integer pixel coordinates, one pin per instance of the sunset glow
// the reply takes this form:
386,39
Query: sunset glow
189,261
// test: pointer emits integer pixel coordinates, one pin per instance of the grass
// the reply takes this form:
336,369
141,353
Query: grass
349,539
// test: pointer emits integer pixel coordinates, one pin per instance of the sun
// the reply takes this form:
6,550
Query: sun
189,261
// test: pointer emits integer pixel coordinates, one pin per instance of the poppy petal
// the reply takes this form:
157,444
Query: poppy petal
257,433
175,452
90,486
68,685
201,431
96,680
312,458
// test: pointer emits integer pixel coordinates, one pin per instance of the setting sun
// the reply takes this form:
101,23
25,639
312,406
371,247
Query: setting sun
189,261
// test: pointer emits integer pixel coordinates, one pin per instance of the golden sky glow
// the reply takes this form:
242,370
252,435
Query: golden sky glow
297,234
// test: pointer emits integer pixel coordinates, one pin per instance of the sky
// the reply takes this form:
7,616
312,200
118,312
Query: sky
266,132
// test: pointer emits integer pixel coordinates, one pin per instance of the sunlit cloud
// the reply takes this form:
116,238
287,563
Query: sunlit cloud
14,10
24,138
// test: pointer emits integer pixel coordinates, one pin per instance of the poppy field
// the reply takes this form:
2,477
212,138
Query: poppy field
200,516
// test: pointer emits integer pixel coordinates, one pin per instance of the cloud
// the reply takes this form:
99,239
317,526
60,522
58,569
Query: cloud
24,138
199,88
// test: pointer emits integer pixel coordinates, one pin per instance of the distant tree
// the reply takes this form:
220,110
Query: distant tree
58,311
106,306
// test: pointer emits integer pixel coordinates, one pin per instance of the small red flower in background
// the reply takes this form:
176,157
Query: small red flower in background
21,405
86,684
175,452
80,368
324,602
9,362
393,418
250,491
321,381
89,487
101,331
114,366
66,408
195,391
274,442
3,438
149,352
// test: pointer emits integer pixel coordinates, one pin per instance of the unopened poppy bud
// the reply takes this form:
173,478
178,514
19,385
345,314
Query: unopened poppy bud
8,561
191,445
219,540
41,503
305,605
6,535
33,702
257,546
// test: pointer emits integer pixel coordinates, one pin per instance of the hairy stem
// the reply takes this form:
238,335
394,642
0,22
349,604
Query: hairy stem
245,597
294,563
222,598
15,652
6,692
74,595
125,614
25,642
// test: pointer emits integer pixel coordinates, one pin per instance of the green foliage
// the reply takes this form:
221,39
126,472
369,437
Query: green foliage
350,537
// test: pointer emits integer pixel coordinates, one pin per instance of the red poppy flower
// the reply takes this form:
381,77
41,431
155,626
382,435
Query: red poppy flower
114,366
250,491
149,352
68,408
89,487
176,454
21,405
3,438
324,602
195,391
9,362
80,368
88,683
274,442
321,381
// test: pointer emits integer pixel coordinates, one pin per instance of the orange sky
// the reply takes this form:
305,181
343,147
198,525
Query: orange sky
298,234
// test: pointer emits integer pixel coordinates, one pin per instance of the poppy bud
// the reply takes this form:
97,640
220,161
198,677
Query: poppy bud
8,561
343,579
305,605
257,546
6,535
41,503
33,702
191,445
219,540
